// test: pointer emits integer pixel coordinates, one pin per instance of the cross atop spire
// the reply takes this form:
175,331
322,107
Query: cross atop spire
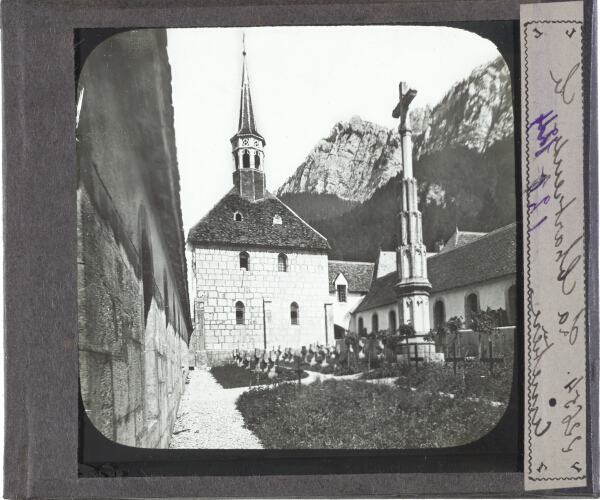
401,110
246,125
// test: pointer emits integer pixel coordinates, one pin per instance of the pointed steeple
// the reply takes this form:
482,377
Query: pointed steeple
247,125
248,147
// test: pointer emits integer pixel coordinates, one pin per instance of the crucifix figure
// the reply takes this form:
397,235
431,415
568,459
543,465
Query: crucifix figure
401,110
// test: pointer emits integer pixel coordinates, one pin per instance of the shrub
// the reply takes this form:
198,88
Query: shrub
484,322
231,375
351,339
450,327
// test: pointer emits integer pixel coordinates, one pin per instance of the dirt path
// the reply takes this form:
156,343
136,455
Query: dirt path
208,417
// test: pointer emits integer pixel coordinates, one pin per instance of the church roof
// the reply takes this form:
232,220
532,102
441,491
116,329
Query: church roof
257,227
490,256
381,293
486,257
460,238
386,263
357,274
247,125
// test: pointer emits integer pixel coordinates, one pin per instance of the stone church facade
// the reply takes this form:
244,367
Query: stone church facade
259,272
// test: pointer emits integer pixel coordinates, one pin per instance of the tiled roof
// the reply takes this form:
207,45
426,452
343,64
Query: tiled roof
357,274
490,256
256,229
460,238
381,293
386,263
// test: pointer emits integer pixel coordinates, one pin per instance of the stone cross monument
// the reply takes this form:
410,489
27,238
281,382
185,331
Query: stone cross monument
413,286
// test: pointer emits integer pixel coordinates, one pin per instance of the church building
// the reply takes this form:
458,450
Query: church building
259,272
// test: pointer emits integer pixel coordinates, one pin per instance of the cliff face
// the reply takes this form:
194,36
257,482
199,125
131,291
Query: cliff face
352,162
359,157
463,160
474,113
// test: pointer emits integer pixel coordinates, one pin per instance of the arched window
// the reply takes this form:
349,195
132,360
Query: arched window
361,325
238,217
439,313
246,159
295,314
244,261
239,313
147,274
471,307
256,160
375,323
282,263
392,327
511,307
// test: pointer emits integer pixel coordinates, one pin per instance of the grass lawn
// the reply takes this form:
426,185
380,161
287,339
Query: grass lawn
350,414
472,380
232,375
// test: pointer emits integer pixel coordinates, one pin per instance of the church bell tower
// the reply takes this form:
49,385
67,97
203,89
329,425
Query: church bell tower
248,148
413,286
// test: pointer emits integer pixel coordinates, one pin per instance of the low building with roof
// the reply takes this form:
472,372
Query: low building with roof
472,272
458,239
259,272
349,282
475,275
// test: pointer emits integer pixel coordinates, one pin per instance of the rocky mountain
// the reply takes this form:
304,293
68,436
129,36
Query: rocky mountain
474,113
352,162
463,159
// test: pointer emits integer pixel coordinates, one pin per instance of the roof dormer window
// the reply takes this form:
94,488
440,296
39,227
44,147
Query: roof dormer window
238,217
277,220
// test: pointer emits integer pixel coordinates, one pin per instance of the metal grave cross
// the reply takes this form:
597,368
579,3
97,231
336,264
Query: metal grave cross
491,360
299,371
416,359
456,358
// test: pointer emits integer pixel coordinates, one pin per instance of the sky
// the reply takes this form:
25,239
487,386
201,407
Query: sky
303,81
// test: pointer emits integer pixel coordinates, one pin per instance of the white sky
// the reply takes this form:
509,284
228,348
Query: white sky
303,81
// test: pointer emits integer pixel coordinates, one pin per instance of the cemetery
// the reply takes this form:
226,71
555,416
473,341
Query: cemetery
384,390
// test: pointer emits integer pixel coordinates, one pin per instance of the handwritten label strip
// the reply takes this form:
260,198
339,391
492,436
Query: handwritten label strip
554,245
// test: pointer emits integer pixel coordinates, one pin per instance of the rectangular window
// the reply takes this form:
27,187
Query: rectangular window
341,289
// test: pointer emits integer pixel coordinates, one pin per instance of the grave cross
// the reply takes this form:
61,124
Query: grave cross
456,358
406,97
491,360
416,359
299,371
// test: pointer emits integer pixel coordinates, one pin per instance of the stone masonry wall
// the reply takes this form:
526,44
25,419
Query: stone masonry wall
267,295
133,331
